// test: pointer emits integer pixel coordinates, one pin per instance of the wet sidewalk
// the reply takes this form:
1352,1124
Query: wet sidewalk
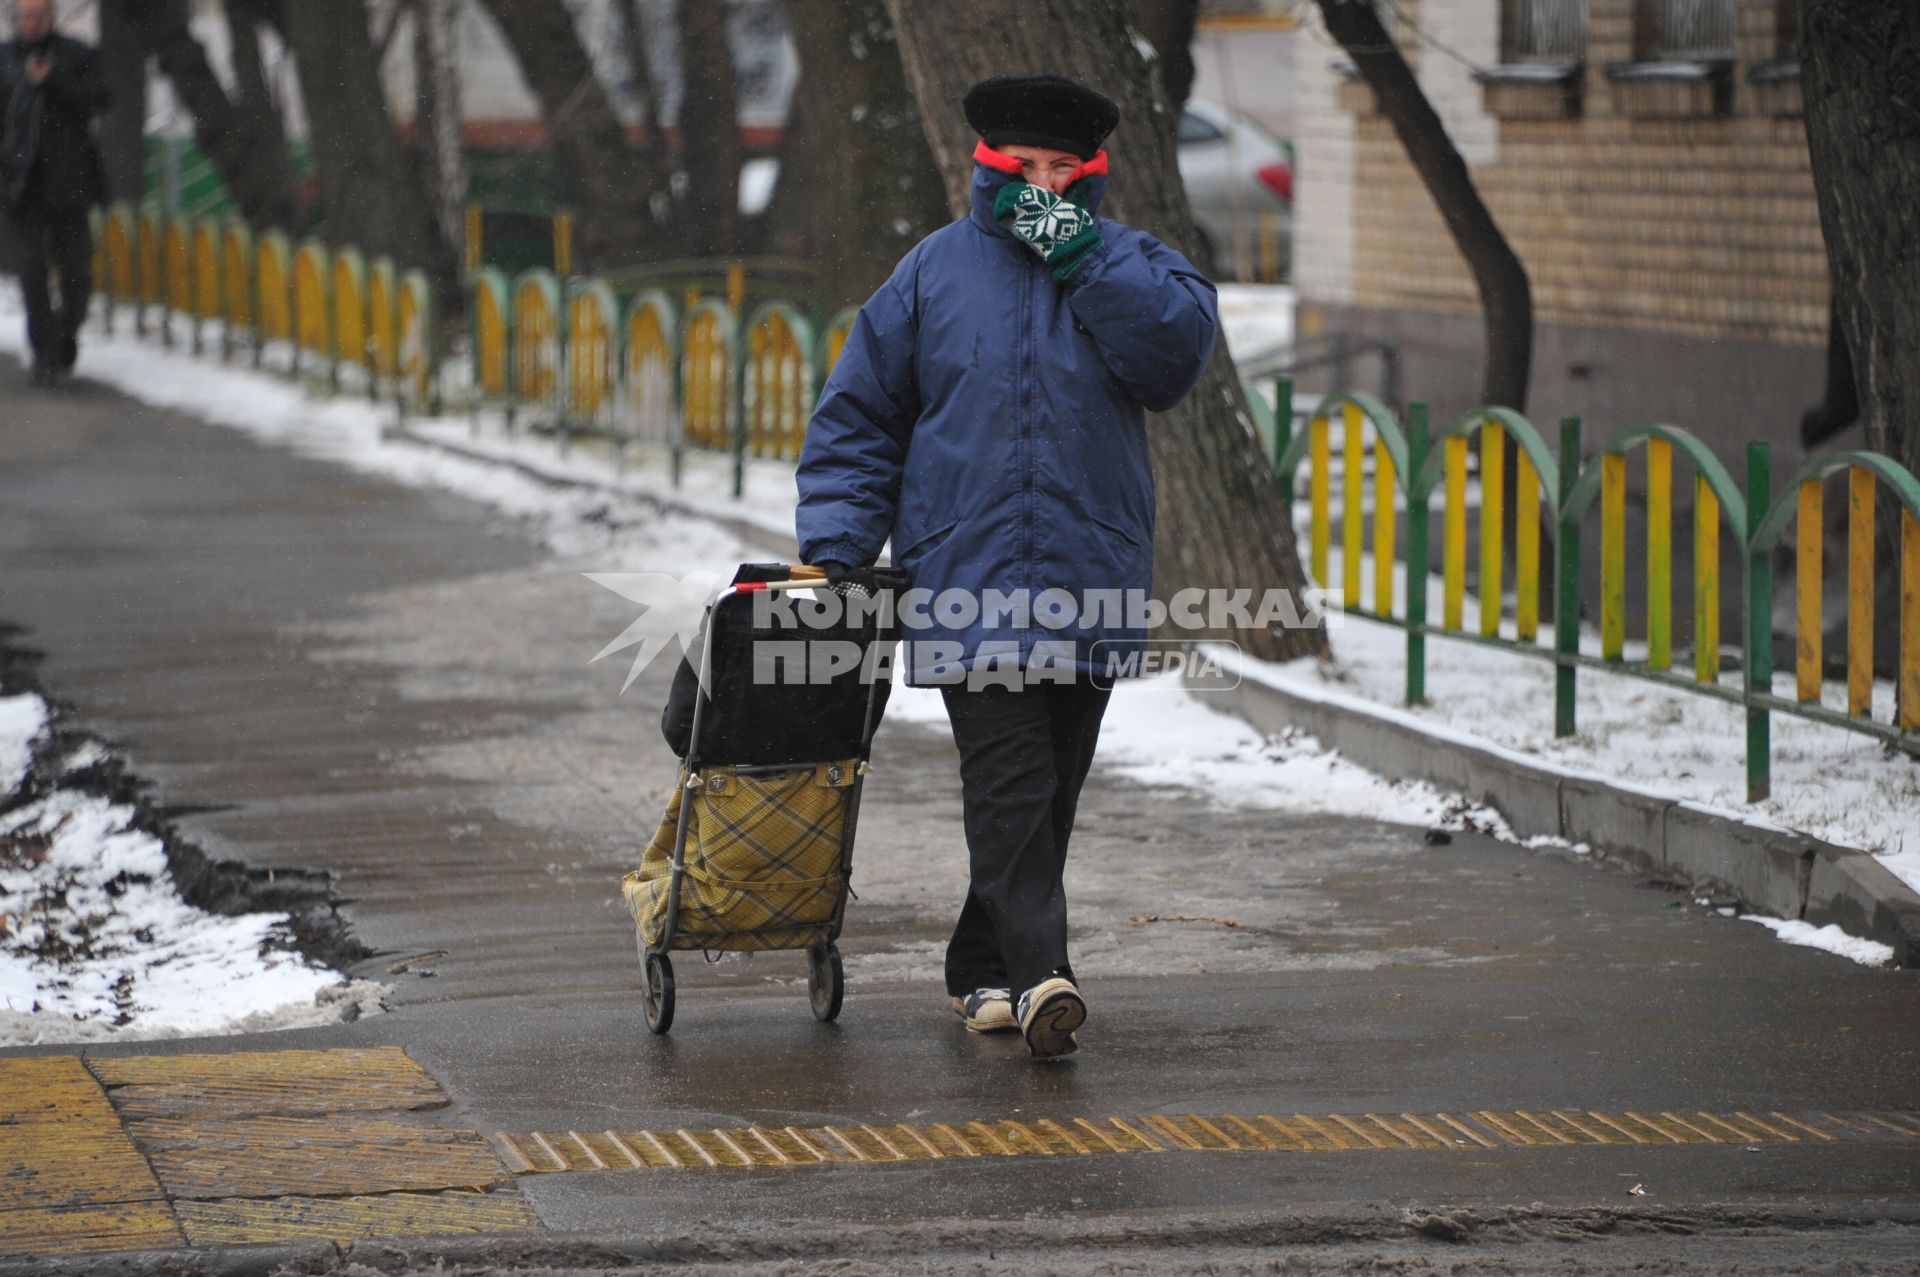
322,670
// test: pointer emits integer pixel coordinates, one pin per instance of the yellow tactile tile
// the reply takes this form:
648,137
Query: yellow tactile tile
285,1083
344,1219
308,1156
79,1230
70,1179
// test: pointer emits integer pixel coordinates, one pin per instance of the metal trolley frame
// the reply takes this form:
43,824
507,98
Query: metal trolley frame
826,978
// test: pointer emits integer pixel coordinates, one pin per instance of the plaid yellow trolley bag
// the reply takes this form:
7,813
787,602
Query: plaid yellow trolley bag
774,728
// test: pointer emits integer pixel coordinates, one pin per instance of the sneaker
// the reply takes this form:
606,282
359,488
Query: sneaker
1048,1014
986,1010
69,354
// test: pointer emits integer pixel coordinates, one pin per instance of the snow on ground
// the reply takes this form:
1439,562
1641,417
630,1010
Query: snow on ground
1830,937
1827,782
95,943
21,720
1157,732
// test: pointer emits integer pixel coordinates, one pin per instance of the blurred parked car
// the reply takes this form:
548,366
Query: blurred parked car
1239,179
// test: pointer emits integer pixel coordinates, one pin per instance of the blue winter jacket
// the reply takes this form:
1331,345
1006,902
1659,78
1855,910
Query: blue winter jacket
992,423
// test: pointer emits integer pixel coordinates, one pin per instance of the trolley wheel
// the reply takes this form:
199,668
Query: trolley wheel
659,992
826,982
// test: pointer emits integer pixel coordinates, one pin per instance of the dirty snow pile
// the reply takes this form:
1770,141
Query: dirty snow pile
95,943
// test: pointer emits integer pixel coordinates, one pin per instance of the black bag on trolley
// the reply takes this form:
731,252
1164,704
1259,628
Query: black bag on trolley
752,714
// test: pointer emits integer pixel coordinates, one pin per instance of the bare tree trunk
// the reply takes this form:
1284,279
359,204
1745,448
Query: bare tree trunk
253,165
1506,298
374,200
1221,521
438,116
1860,65
1168,26
123,132
653,149
709,130
253,99
858,186
582,128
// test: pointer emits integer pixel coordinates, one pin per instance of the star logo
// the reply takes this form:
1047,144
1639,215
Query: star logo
674,609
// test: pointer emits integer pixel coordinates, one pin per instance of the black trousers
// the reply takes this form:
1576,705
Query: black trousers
42,243
1023,756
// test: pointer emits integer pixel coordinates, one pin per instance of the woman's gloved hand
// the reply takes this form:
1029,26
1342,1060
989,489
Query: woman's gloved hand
1060,231
844,578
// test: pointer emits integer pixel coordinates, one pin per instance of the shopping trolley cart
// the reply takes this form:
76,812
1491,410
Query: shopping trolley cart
755,850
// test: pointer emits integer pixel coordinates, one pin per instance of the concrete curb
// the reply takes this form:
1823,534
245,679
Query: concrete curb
1376,1222
745,529
1775,872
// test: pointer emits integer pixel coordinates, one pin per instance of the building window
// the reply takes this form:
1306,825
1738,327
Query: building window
1686,30
1546,32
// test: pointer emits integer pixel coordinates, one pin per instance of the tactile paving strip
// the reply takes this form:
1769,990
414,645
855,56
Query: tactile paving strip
868,1145
236,1148
286,1083
311,1156
343,1219
70,1179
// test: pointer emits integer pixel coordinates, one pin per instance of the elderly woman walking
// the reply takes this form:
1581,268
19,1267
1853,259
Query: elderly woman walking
987,416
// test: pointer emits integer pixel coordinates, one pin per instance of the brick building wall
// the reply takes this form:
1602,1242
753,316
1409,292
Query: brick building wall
1669,228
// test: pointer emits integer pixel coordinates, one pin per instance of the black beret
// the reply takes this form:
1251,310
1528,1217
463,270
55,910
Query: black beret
1040,110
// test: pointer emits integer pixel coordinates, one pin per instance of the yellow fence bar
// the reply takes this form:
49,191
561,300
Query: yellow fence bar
708,372
1659,554
1383,531
1453,555
152,287
311,323
1352,520
779,381
1613,555
236,275
1526,549
1493,509
490,341
273,284
116,243
650,374
415,365
474,242
563,244
1319,498
383,320
593,338
1909,695
1809,541
1859,590
1706,581
206,270
536,320
349,287
179,269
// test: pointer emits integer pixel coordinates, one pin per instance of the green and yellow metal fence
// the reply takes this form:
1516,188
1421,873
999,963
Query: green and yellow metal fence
318,310
1406,465
579,358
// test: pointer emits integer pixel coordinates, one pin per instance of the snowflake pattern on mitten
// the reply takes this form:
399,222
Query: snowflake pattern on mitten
1050,225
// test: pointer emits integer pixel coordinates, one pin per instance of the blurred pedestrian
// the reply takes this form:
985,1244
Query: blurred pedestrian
987,413
51,87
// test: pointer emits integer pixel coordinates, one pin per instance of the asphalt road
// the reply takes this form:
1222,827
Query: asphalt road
322,670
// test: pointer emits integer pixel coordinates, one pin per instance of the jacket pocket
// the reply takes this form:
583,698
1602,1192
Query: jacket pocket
1131,538
923,544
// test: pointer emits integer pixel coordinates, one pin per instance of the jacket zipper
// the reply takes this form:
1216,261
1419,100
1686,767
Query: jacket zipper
1029,361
